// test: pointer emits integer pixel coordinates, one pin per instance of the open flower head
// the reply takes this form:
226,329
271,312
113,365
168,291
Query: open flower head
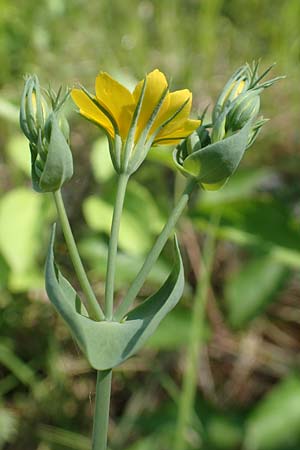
135,121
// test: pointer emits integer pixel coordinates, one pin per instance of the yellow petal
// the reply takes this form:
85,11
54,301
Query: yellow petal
89,110
175,136
155,86
177,99
162,115
116,99
174,101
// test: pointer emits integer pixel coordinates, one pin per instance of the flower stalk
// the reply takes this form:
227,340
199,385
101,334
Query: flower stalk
104,378
155,251
94,309
113,246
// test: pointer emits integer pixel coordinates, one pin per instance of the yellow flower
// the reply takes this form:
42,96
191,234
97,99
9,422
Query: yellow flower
150,115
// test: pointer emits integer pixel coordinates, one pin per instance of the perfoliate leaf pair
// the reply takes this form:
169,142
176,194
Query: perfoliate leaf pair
107,344
213,164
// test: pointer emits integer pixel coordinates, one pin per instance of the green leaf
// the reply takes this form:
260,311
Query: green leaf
173,332
246,216
19,217
107,344
224,432
59,163
4,273
101,163
21,370
144,444
253,288
213,164
243,185
22,282
18,152
64,438
275,423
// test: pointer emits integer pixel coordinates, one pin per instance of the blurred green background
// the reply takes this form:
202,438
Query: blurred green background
248,395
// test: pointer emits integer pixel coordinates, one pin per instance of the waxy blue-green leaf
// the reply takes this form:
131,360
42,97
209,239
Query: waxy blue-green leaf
215,163
107,344
59,163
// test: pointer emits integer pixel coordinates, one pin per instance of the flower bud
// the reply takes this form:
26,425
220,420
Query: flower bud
47,130
244,108
212,164
235,86
33,110
239,102
211,158
64,126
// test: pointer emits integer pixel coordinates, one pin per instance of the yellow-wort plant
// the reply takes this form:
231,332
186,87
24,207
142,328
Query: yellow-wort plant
207,154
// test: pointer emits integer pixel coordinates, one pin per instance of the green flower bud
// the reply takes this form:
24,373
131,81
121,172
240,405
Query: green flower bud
48,133
211,158
244,108
64,126
33,110
239,102
236,85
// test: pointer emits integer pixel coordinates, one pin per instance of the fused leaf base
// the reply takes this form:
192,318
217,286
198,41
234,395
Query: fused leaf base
214,164
107,344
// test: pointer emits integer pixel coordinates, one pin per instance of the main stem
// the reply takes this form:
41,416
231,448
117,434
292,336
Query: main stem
101,414
94,309
104,378
189,383
113,246
155,252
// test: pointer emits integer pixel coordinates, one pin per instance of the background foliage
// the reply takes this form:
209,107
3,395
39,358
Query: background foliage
248,385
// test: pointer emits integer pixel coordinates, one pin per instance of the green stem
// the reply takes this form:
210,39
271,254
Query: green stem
113,246
94,309
155,252
189,383
103,388
101,415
